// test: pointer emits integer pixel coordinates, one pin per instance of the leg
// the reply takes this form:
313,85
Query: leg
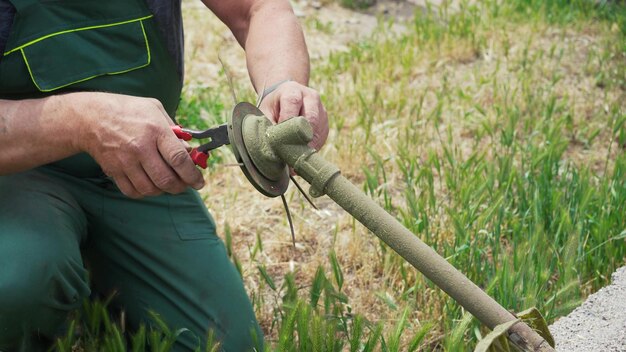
41,273
162,254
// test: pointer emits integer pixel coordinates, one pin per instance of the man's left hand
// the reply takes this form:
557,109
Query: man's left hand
294,99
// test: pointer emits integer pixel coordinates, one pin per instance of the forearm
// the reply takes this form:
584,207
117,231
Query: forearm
275,46
272,37
34,132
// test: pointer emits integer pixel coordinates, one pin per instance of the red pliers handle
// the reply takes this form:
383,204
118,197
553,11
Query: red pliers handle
199,155
199,158
181,133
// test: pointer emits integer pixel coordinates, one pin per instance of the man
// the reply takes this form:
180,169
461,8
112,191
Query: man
91,168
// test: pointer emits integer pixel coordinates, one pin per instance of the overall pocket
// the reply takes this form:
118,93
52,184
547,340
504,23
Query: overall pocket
63,46
68,57
190,217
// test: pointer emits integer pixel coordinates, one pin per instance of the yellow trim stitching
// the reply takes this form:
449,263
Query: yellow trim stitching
145,37
29,70
76,30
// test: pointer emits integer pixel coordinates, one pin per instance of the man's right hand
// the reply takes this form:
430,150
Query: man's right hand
130,137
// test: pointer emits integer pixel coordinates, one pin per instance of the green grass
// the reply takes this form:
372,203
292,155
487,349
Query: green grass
515,212
93,329
496,134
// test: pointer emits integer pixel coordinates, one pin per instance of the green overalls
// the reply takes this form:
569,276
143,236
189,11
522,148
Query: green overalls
159,253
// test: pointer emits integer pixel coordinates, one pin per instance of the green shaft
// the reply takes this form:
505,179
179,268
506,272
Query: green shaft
426,260
416,252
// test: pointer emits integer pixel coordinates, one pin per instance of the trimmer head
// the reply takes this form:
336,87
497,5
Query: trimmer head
274,180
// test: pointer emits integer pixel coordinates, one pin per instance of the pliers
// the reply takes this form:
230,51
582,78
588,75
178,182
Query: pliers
200,154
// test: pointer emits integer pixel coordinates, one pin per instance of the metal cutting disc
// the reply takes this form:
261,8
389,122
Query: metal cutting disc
270,188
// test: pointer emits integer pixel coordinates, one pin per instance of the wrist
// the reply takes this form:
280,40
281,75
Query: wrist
78,117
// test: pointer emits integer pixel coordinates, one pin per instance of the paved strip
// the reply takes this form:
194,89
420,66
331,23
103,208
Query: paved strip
597,325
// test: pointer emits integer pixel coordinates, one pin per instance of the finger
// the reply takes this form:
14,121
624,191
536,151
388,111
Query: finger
321,134
290,104
268,108
162,175
141,181
179,160
311,108
314,112
310,111
126,187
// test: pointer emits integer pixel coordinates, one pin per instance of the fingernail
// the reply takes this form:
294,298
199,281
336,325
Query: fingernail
199,185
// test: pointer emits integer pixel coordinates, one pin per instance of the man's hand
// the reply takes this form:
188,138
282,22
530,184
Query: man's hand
131,139
293,99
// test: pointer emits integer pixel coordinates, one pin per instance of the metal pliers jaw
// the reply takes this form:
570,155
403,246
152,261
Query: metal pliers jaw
200,154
